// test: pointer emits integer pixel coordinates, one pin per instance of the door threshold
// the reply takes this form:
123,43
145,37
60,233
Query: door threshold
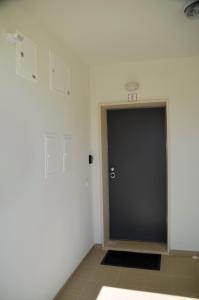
136,246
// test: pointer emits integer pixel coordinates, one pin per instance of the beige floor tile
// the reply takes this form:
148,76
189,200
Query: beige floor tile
91,289
182,266
136,279
105,275
75,284
85,271
184,286
94,258
86,298
178,276
68,296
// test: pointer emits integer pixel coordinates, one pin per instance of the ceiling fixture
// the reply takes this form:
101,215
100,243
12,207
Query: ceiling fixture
131,86
191,9
13,38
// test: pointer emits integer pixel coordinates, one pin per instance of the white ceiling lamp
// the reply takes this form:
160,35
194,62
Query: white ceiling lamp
131,86
191,9
13,38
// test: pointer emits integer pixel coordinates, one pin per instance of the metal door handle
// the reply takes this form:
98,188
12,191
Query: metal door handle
112,175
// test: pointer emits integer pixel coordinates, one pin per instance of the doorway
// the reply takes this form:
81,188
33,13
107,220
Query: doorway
134,177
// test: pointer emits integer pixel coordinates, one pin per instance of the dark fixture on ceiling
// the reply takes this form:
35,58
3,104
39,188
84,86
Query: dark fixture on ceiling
191,9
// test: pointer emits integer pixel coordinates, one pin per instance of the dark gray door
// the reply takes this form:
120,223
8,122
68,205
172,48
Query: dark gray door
137,174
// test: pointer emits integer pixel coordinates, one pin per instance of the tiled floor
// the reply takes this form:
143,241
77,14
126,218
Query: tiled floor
179,275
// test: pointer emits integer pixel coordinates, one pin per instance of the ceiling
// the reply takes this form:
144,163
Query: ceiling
107,31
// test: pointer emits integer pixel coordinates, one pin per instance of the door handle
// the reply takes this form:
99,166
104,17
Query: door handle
112,173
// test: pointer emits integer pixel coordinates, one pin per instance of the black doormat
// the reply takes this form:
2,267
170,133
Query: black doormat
132,260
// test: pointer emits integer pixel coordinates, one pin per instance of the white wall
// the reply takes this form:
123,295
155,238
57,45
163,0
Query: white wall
45,225
177,80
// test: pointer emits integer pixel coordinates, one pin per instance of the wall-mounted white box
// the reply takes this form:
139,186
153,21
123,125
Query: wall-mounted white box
26,58
67,153
51,160
60,75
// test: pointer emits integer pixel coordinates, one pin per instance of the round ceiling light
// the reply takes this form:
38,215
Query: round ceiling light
191,9
131,86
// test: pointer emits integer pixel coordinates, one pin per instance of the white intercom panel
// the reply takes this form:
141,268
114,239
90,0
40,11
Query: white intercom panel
26,58
51,160
59,75
67,153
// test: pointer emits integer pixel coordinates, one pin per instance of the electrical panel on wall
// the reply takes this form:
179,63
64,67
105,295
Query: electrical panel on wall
26,58
67,153
50,154
60,80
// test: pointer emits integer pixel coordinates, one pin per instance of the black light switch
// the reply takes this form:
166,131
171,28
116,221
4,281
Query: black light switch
90,159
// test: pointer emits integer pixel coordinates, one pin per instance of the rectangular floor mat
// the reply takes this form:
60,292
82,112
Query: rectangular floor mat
132,260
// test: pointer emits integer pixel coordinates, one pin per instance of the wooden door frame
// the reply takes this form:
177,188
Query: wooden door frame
103,157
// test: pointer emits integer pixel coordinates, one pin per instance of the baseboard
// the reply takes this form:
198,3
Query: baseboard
63,287
98,246
184,253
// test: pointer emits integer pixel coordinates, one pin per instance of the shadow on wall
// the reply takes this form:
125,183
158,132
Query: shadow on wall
3,2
